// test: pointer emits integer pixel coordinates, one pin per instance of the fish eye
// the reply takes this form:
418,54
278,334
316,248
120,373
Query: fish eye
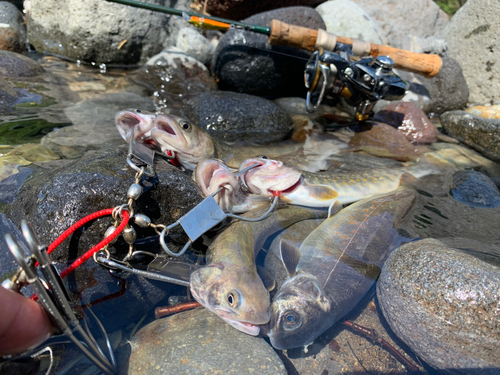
185,125
291,320
232,298
262,156
138,111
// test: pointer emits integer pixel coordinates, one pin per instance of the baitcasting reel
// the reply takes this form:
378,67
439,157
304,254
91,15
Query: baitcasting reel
361,82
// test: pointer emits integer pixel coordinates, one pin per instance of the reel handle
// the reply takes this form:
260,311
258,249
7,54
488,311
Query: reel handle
304,38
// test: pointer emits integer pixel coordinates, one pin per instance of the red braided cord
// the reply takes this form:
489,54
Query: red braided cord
97,247
77,225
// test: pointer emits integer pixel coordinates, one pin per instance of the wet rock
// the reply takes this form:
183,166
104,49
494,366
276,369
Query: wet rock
398,19
15,65
194,44
409,120
443,303
244,62
491,111
120,34
346,18
233,117
13,35
198,342
477,132
174,76
54,201
239,9
383,140
475,189
470,35
446,91
93,124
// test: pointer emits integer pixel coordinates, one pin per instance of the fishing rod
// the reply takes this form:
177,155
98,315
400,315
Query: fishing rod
281,33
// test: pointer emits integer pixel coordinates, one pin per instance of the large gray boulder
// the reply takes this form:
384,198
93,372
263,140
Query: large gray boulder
397,20
443,303
472,36
100,31
13,35
346,18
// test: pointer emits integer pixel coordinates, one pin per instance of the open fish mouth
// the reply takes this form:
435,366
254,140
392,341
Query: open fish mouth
270,177
141,123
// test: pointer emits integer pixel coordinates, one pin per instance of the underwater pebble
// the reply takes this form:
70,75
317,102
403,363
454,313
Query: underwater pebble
444,303
174,346
475,189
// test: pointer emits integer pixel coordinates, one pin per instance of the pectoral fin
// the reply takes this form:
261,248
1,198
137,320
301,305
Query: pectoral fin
290,256
334,208
322,192
266,278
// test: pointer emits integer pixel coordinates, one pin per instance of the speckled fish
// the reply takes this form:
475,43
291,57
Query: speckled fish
229,285
212,175
189,145
142,122
322,189
335,266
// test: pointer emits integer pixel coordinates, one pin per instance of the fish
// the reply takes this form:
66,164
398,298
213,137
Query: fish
229,284
141,121
335,267
327,188
211,175
188,144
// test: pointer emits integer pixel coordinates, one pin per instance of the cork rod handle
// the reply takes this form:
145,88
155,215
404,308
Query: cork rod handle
301,37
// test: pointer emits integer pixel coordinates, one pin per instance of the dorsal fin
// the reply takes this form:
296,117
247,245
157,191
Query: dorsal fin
290,256
266,278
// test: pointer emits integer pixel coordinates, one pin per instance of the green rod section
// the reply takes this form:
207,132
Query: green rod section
177,12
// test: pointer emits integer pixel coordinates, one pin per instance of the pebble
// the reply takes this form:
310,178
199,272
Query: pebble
385,141
480,133
15,65
13,35
443,303
199,342
475,189
409,120
231,117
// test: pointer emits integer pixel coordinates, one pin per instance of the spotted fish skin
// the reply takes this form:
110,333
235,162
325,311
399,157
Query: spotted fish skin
337,264
323,189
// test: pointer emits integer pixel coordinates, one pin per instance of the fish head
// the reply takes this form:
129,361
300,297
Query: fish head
232,294
298,313
212,175
269,177
141,121
189,144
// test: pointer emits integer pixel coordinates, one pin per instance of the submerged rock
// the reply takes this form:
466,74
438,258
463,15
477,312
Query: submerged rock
93,124
245,62
475,189
346,18
199,342
13,35
54,201
174,76
233,117
15,65
410,120
443,303
384,141
477,132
